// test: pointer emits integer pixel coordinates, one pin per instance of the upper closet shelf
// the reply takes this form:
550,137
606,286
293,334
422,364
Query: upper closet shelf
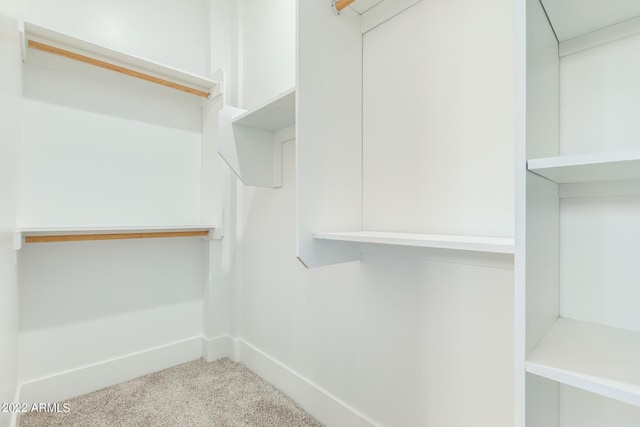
596,358
464,243
47,234
44,39
276,114
608,166
251,141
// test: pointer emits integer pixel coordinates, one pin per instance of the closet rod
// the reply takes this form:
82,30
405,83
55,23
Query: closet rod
92,61
112,236
341,4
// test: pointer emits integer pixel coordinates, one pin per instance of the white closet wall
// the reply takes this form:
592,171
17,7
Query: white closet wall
438,120
10,123
103,149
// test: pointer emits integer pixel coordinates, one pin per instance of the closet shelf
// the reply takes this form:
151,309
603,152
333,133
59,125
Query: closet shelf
464,243
251,141
34,234
44,39
589,167
274,115
596,358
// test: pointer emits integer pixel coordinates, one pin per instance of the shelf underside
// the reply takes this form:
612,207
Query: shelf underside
466,243
590,167
591,357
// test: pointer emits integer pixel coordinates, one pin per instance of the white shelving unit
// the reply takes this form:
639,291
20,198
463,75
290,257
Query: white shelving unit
577,327
251,141
463,243
592,357
589,167
37,37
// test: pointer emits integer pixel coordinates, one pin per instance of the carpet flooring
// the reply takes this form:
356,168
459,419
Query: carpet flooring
220,394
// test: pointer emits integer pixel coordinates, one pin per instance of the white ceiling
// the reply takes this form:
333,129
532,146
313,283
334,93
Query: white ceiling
571,18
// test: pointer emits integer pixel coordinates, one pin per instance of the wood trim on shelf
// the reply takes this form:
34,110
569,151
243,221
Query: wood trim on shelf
113,236
102,64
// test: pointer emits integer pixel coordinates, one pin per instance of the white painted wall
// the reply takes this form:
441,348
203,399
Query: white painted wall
10,129
398,340
599,105
438,110
267,62
404,341
101,148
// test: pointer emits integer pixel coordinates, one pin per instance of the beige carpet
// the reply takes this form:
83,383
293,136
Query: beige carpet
222,393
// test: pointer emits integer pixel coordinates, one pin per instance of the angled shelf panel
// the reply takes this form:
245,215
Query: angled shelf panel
464,243
46,234
596,358
276,114
251,141
590,167
37,37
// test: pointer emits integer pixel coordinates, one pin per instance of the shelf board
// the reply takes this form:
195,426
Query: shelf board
46,234
589,167
276,114
596,358
464,243
85,51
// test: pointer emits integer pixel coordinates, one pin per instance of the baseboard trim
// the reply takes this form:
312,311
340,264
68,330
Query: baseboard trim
217,348
85,379
324,406
320,403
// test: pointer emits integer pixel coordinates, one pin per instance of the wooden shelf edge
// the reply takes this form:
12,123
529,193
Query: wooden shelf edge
464,243
88,233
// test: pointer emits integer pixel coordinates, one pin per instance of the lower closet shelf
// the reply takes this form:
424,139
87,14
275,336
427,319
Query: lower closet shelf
466,243
592,357
47,234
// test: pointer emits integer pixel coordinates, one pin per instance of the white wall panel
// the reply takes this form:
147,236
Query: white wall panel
86,302
600,98
267,50
406,342
599,274
583,409
10,129
101,148
439,120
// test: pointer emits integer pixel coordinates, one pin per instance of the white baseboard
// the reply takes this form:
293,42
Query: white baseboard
325,407
75,382
217,348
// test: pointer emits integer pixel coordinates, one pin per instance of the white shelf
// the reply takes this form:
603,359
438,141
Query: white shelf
591,357
274,115
464,243
101,53
251,141
590,167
